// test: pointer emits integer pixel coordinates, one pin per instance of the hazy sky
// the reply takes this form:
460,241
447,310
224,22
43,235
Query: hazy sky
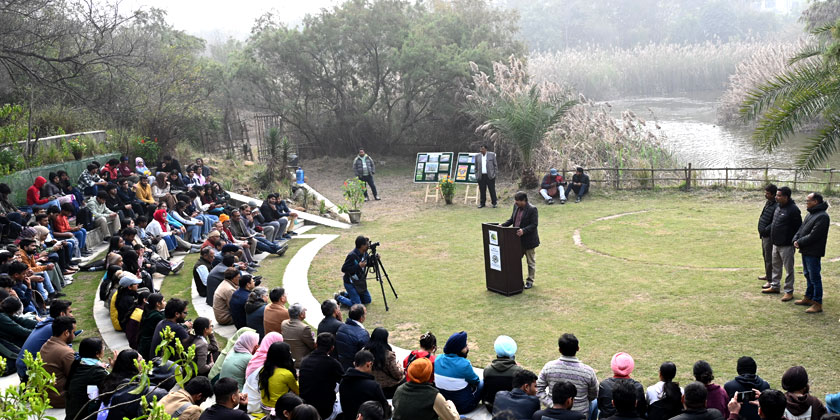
228,17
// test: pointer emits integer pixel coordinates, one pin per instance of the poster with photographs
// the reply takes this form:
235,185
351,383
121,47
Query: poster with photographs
465,171
431,167
461,174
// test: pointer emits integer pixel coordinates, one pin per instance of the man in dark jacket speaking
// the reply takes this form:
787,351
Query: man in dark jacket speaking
525,218
810,241
786,221
764,222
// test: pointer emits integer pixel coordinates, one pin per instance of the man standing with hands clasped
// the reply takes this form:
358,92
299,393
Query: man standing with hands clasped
485,172
364,168
525,218
810,241
786,221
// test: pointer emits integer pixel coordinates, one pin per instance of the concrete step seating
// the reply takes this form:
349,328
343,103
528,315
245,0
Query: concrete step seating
295,281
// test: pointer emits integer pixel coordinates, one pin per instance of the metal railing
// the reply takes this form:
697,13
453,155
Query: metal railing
693,177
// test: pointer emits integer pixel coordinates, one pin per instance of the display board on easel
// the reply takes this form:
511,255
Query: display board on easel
465,174
430,168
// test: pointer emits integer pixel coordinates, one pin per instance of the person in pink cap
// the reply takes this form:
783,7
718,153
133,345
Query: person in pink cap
622,365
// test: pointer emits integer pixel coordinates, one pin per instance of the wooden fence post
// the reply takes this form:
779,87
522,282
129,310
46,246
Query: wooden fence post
617,179
652,176
795,178
830,177
726,185
688,177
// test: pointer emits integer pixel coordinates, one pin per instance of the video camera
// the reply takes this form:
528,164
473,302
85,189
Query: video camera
376,267
372,245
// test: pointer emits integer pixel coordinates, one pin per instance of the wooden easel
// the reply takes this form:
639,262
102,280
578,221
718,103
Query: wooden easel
435,193
467,194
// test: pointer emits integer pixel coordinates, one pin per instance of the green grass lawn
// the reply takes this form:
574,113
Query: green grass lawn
647,291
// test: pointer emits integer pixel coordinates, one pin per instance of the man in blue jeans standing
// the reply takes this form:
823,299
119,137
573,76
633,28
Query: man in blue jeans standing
810,239
355,275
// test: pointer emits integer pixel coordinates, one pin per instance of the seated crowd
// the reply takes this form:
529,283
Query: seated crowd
275,366
340,371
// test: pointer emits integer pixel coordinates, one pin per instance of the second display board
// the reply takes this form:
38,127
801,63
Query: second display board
465,168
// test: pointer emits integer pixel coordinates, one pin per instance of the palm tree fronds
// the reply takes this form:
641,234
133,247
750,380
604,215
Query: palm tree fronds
821,146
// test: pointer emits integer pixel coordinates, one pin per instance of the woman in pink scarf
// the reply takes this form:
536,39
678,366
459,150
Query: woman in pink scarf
258,360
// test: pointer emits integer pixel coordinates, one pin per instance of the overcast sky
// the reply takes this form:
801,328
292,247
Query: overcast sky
211,18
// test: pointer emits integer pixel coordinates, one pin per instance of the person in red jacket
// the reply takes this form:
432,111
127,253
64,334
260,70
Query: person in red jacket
33,196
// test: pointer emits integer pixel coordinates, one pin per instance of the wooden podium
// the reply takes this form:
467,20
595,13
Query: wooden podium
502,259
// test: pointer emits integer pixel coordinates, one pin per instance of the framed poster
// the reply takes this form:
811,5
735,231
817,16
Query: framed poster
431,167
465,169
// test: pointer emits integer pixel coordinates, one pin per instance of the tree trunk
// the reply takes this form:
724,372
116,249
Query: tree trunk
529,179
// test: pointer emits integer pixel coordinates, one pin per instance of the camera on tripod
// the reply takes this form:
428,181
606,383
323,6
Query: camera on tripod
378,269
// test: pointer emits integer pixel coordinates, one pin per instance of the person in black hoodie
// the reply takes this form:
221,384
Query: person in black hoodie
622,365
498,375
358,387
801,405
786,221
746,380
319,373
694,400
764,222
810,240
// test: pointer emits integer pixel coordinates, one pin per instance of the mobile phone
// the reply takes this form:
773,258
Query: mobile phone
79,332
745,396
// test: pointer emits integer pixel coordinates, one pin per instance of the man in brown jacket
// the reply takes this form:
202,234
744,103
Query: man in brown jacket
185,404
275,313
297,334
58,357
221,298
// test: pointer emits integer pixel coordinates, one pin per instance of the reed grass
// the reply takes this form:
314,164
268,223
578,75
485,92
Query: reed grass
651,69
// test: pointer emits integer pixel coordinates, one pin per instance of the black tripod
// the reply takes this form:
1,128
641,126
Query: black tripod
378,269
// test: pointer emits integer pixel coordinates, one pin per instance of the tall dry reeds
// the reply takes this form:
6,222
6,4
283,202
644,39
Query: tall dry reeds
588,135
766,62
653,69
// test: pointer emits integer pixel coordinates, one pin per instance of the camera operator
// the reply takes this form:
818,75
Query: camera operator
355,275
771,404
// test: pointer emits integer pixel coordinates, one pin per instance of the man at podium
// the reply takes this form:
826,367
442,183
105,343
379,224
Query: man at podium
525,218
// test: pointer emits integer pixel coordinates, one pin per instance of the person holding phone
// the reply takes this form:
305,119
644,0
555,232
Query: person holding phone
747,380
770,404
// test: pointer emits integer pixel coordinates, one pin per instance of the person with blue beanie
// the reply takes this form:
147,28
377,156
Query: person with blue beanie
455,376
498,375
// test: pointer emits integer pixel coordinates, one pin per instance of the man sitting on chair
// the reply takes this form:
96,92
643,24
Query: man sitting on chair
553,185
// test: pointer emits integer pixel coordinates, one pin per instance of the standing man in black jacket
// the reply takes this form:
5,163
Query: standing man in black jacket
525,218
786,221
810,241
764,222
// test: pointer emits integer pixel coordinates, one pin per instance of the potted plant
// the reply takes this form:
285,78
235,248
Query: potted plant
446,186
77,148
354,195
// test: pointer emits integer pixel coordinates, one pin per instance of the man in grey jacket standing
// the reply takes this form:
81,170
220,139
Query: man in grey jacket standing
786,221
364,168
764,222
810,241
485,173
